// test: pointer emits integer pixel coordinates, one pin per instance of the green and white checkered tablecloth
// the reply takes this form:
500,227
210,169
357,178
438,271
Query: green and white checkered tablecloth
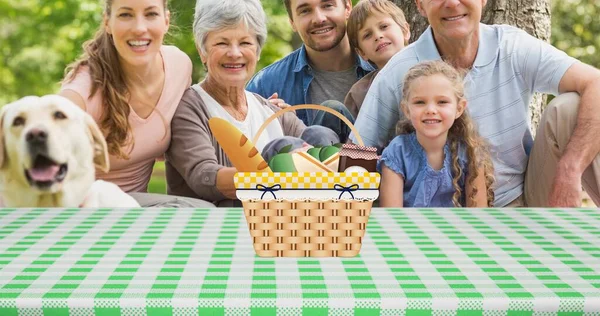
201,262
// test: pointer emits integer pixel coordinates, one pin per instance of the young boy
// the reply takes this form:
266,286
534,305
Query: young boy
377,30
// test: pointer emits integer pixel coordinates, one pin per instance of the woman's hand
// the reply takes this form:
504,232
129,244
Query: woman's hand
225,183
276,101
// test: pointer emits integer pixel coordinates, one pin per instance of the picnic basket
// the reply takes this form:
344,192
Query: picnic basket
316,214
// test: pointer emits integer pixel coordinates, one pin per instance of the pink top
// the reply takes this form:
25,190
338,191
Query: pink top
151,135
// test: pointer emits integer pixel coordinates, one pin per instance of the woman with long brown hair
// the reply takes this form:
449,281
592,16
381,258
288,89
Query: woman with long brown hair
131,84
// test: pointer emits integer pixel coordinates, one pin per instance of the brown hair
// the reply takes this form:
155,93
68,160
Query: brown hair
364,9
288,6
462,131
102,59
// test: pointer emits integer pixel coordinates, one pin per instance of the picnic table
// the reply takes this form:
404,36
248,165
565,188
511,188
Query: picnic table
201,262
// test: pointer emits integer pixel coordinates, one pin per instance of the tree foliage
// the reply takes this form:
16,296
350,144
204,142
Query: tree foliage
38,38
576,29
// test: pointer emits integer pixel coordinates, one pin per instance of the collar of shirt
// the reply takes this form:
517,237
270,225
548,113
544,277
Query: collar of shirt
362,68
486,53
447,161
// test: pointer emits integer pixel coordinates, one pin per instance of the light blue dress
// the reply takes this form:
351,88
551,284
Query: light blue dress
423,186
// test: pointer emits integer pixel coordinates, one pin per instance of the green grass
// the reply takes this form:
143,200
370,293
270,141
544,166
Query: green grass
158,183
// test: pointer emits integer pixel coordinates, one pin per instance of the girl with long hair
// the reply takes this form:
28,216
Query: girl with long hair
438,157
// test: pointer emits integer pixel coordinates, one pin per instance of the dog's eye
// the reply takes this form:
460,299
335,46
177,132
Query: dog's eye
18,121
59,115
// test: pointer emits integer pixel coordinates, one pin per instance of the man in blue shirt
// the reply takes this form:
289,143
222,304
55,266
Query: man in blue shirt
505,67
322,71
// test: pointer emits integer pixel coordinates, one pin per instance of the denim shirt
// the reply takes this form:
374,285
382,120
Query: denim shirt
290,77
423,186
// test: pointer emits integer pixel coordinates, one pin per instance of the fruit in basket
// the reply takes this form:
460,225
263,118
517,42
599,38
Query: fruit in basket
327,152
282,162
315,152
283,144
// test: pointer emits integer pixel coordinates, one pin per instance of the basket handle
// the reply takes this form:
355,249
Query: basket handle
310,107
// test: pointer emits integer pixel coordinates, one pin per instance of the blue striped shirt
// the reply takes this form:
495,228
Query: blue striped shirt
510,66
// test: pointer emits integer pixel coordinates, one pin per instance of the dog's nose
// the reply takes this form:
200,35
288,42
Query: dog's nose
36,135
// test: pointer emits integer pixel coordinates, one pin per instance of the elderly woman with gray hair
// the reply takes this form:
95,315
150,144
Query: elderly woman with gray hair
229,36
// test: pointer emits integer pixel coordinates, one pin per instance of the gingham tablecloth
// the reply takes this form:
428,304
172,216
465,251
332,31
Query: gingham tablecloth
201,262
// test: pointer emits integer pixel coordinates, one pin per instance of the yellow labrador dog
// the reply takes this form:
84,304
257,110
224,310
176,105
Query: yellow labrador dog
48,153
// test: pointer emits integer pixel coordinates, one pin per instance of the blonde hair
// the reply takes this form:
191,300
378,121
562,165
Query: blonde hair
462,131
361,12
102,59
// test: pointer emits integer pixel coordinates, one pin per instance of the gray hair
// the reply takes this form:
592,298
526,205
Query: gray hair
213,15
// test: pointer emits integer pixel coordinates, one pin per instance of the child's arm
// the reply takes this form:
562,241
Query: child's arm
391,188
481,197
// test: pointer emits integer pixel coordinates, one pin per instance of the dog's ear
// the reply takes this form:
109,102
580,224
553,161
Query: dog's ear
2,143
98,144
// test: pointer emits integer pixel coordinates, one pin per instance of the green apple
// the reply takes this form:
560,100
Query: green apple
314,152
327,152
282,163
338,145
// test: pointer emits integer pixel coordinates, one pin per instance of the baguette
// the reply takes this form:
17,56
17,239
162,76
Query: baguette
239,149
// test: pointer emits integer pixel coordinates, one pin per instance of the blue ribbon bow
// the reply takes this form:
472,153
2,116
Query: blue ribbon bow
343,189
265,189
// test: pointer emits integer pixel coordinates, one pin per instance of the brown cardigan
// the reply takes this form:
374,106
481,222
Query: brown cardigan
194,156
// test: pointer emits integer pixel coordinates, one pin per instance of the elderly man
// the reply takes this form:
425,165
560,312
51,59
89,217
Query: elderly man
505,67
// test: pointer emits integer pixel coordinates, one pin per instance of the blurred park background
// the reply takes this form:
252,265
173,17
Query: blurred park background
38,38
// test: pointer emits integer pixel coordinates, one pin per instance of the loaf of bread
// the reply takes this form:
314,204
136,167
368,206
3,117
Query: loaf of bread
239,149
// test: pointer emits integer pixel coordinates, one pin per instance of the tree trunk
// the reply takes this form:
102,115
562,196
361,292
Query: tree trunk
533,16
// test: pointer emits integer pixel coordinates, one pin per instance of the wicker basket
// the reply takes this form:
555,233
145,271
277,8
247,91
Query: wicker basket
307,227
